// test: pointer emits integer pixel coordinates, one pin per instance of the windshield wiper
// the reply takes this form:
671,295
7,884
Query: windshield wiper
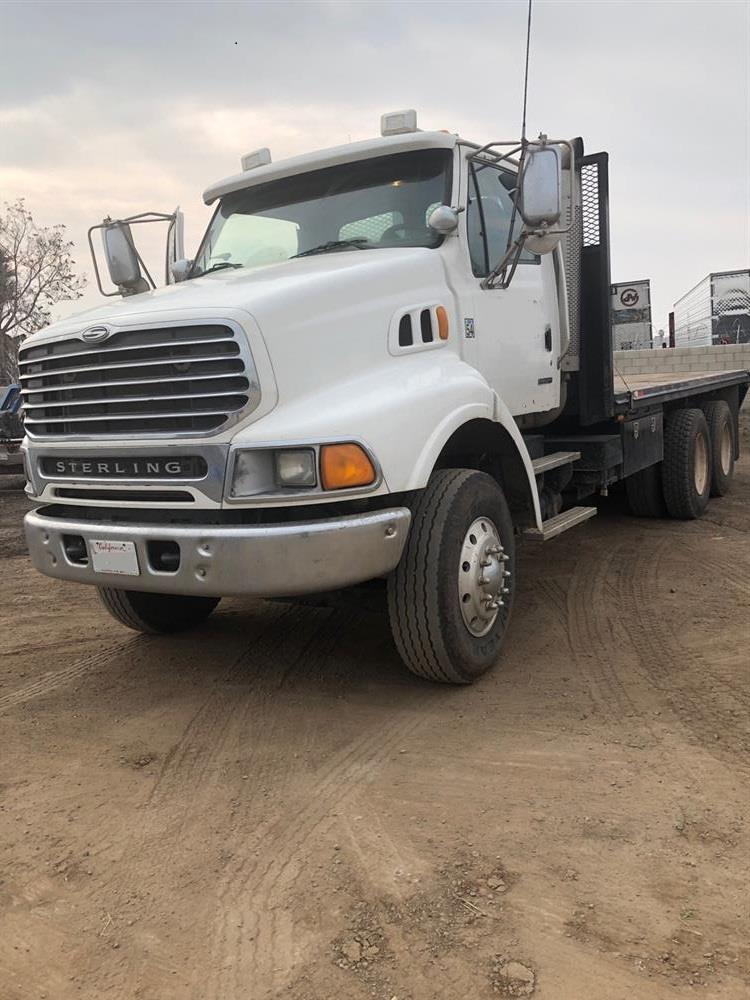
358,243
219,266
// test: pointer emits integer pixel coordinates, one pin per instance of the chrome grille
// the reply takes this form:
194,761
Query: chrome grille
138,383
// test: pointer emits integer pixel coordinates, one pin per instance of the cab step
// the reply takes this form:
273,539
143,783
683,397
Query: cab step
559,523
554,461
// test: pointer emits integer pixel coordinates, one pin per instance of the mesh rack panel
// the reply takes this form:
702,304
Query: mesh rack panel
590,204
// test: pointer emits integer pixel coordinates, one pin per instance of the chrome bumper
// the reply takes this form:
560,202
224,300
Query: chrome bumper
276,560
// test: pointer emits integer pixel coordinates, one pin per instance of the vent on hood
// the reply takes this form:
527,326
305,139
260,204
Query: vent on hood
418,328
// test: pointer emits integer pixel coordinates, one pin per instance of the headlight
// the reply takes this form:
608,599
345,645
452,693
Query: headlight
276,471
295,467
273,470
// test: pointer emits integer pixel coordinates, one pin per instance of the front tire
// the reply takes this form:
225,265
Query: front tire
451,595
686,469
156,613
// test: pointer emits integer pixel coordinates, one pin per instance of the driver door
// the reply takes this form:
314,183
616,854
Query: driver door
516,329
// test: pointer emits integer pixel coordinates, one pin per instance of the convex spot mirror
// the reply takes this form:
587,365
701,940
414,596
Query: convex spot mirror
122,260
443,219
541,187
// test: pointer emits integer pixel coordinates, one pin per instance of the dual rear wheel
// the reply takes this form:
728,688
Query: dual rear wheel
699,449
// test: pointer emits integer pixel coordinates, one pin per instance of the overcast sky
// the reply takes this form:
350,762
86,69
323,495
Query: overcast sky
114,108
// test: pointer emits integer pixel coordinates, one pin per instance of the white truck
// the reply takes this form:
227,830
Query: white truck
387,364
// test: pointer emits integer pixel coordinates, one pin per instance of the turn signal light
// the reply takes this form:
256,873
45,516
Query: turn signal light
343,466
442,318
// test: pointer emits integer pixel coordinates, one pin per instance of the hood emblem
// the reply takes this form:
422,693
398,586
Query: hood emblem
96,334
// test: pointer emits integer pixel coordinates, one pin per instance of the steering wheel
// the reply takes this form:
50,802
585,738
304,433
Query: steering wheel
390,233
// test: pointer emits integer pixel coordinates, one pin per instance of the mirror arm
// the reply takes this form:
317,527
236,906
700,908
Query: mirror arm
505,270
144,269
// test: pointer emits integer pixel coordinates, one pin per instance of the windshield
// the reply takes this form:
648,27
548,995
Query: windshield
380,202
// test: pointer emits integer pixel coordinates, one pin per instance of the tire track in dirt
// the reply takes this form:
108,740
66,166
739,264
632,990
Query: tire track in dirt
669,662
587,611
54,679
181,783
248,955
191,771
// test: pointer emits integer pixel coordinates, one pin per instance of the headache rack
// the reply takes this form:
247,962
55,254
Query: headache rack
179,379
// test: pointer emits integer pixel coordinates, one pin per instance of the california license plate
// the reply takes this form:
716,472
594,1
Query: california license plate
118,558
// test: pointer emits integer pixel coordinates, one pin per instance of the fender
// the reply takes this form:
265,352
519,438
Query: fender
493,409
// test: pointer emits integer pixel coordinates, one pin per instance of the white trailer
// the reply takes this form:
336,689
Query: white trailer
715,311
631,315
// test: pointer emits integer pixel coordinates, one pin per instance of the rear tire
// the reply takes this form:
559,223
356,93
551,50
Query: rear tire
721,435
645,492
686,469
155,613
451,595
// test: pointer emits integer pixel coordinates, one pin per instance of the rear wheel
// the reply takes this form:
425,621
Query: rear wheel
721,435
686,469
450,597
645,492
154,613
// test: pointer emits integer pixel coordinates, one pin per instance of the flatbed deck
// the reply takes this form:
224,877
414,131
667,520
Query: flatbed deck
636,391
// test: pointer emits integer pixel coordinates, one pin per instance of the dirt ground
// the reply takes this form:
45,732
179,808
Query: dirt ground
273,807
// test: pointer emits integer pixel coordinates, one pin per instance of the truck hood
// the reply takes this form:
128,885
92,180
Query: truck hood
246,289
320,317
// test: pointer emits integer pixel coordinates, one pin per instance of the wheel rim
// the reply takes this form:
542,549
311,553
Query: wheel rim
700,465
725,451
482,576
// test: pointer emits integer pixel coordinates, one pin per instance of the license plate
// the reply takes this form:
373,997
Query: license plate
118,558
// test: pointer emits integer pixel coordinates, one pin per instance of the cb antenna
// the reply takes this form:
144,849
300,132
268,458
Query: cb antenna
526,77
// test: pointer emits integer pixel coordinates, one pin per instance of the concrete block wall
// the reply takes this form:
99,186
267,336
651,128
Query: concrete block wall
690,359
683,359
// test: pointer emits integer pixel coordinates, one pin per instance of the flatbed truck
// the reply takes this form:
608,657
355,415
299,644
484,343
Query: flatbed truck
388,364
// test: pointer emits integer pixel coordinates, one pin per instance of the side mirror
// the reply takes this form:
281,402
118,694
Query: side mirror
181,269
540,204
443,219
122,259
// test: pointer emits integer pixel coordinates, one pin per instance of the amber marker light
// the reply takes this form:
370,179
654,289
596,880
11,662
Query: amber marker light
442,318
343,466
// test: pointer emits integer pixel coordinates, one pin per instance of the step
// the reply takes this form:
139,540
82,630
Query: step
559,523
554,461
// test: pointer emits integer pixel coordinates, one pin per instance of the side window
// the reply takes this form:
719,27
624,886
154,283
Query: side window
489,213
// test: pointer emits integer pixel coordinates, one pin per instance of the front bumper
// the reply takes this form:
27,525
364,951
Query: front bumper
273,560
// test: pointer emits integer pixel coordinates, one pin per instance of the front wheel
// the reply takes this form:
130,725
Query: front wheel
451,595
154,613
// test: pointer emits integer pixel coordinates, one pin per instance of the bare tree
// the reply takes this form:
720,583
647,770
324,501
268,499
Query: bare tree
36,271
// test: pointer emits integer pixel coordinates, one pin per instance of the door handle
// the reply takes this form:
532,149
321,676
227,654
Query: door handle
548,338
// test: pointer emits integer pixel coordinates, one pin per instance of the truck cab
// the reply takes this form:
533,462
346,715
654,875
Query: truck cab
362,375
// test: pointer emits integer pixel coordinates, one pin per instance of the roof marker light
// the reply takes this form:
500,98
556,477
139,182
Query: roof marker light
258,158
398,122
